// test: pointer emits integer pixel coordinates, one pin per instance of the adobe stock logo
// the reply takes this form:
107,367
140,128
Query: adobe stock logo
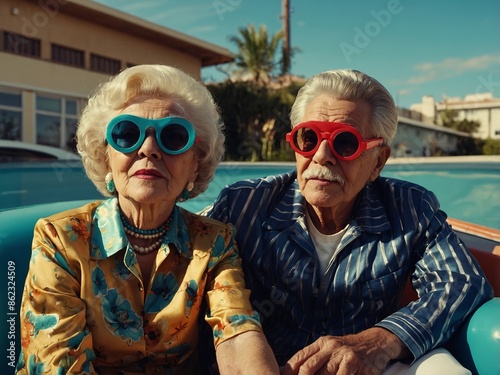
48,10
224,6
372,29
489,84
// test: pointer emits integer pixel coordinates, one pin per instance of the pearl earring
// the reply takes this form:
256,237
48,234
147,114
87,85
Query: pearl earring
185,195
110,184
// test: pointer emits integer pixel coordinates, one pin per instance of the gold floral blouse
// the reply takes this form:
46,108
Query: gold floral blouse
86,309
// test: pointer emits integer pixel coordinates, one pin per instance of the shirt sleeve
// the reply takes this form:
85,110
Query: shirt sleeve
54,335
230,312
448,280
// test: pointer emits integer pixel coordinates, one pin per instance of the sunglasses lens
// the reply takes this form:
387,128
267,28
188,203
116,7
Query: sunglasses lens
305,139
174,137
345,144
125,134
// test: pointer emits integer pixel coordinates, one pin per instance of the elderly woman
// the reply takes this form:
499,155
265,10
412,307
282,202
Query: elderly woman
327,249
117,286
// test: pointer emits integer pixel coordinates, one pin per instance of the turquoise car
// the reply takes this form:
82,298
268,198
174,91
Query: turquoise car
476,345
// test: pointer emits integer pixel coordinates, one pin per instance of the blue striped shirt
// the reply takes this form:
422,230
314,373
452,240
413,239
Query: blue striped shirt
397,230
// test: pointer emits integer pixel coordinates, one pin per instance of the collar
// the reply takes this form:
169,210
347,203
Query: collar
108,234
369,212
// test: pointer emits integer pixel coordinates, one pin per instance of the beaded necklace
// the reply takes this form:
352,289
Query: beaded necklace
146,234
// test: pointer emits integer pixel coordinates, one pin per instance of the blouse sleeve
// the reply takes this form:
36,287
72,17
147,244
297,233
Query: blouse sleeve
230,312
54,335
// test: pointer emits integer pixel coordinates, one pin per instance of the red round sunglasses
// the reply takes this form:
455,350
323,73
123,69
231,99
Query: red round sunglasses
345,141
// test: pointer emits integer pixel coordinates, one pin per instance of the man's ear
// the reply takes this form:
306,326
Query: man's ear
383,155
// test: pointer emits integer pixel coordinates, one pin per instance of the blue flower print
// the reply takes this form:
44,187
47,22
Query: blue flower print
75,341
121,271
218,250
35,367
41,322
96,252
120,319
60,261
130,260
163,291
34,254
99,285
20,362
192,292
90,358
69,360
240,318
218,333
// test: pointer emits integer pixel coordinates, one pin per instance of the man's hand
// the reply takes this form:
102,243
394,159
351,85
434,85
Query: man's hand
367,352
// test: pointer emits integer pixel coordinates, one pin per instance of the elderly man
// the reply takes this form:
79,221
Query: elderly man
327,248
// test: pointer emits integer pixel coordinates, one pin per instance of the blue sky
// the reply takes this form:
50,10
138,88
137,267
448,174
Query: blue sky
441,48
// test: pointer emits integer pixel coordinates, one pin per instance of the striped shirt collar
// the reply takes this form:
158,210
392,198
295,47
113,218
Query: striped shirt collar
369,215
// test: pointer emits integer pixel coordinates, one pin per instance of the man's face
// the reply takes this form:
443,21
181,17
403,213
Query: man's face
340,181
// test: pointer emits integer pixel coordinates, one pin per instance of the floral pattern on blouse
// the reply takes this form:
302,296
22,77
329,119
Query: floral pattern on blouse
86,309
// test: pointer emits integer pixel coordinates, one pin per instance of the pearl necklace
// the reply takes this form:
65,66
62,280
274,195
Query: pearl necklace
146,234
148,249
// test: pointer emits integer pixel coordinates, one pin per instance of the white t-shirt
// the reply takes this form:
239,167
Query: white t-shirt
326,245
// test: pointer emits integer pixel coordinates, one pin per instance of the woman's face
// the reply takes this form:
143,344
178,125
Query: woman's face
148,175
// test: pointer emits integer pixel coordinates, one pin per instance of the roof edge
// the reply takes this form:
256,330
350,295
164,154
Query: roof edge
210,54
409,121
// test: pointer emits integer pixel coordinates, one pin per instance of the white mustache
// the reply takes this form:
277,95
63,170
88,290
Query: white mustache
322,173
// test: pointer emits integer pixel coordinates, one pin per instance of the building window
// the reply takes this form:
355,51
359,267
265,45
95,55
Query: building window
71,121
104,64
56,120
11,115
69,56
21,45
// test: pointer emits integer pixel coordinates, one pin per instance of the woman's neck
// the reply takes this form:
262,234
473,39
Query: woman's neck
145,216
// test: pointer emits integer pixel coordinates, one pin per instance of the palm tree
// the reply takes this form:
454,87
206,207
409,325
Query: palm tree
256,52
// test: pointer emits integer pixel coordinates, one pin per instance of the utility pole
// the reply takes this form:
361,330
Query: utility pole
286,38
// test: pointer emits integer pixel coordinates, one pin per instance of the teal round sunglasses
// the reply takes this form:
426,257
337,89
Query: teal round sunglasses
174,135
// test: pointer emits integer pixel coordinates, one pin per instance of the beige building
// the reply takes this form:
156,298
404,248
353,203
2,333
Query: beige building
416,138
54,53
483,108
